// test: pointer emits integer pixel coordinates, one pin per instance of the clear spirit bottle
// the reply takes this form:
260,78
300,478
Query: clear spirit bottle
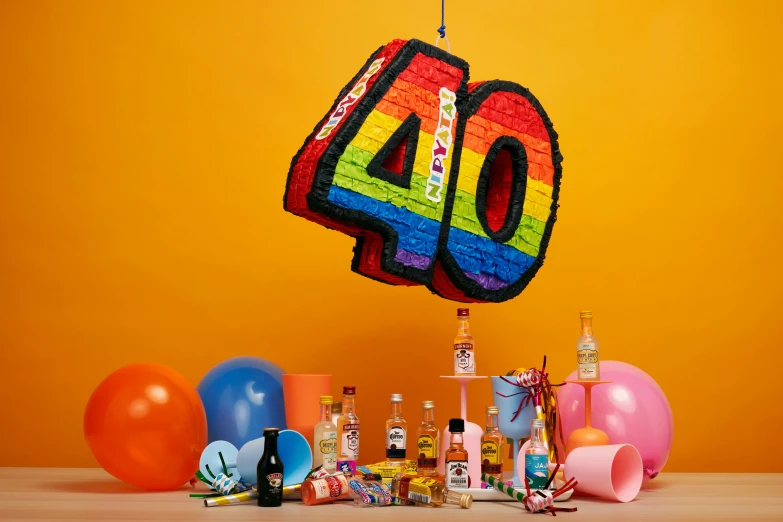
587,350
348,434
396,433
537,456
325,438
464,354
428,441
492,443
427,491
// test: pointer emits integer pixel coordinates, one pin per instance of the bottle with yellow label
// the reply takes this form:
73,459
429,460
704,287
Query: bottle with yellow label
427,441
492,446
427,491
587,350
325,440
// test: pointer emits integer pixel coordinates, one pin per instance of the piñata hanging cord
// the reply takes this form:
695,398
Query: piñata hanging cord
442,28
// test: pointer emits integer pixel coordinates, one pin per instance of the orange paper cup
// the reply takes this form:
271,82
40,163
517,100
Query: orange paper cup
301,395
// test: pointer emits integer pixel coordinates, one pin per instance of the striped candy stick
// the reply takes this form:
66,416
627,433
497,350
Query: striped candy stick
508,490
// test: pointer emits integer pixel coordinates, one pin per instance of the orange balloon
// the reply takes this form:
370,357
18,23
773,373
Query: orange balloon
145,425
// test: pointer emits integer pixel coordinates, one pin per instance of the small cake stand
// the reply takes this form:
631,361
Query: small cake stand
471,437
587,436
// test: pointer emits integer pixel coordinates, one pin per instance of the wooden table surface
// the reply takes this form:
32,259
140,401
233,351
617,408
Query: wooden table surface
91,494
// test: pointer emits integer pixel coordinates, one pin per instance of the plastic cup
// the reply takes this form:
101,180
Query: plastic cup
301,396
294,452
612,472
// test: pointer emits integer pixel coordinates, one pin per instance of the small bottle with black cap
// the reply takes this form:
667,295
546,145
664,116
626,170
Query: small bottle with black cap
270,472
457,457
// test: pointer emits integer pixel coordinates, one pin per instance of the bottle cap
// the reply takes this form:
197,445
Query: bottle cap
349,390
326,399
586,314
537,423
463,312
427,405
457,426
271,431
492,410
337,407
396,397
465,501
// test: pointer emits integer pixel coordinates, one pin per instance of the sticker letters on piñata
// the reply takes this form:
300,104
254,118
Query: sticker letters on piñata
441,144
443,183
350,99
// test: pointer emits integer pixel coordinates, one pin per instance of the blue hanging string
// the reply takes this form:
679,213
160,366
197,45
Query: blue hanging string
442,28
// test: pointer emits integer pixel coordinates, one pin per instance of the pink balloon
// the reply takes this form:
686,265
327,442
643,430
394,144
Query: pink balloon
632,410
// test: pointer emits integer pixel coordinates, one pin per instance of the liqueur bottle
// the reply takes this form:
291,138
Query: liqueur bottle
587,350
428,441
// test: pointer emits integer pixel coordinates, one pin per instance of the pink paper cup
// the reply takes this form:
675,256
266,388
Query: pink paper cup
612,472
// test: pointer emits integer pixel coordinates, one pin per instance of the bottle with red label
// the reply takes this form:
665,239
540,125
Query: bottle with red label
464,355
270,472
348,434
326,489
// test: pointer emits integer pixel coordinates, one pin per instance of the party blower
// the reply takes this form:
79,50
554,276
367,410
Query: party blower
221,455
612,472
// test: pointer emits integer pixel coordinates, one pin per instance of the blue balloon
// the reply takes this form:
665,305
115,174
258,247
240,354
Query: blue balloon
241,397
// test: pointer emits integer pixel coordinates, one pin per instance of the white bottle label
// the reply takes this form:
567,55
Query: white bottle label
587,357
350,442
457,474
395,443
327,448
464,361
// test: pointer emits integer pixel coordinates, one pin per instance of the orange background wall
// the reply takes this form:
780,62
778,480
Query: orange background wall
143,153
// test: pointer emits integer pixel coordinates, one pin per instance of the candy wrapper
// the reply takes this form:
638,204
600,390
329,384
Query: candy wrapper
370,491
387,473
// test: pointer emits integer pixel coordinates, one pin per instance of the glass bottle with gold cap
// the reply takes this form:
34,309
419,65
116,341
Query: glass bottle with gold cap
325,440
587,349
428,441
492,446
427,491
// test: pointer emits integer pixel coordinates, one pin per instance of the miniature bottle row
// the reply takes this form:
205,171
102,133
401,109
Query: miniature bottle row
336,445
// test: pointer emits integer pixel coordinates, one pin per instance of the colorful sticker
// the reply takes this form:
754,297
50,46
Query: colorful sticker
536,469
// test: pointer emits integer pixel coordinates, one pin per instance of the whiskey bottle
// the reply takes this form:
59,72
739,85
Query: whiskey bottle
396,433
492,446
457,457
428,441
427,491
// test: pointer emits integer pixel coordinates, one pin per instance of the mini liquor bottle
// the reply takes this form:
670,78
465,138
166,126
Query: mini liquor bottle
396,433
492,446
537,456
348,434
464,358
270,472
325,440
587,350
427,491
326,489
428,441
457,457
